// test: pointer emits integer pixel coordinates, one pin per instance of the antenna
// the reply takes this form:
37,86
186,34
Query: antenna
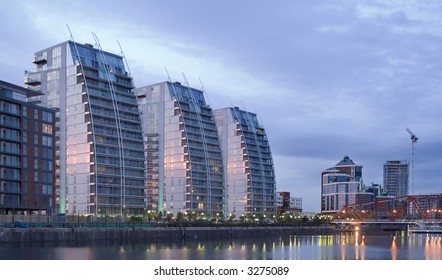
413,141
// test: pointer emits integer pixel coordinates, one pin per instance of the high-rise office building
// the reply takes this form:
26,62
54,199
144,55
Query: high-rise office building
248,164
396,178
27,153
101,156
340,185
184,160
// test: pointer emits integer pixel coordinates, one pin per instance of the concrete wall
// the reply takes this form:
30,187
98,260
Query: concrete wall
88,234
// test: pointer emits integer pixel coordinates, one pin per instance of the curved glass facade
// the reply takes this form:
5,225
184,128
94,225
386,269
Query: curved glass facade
185,172
250,176
101,161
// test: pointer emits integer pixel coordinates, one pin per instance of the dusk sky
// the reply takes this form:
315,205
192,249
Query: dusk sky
327,78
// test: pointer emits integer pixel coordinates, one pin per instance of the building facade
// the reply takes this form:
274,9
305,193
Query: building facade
282,202
288,204
396,178
27,153
101,155
248,164
184,161
340,185
296,204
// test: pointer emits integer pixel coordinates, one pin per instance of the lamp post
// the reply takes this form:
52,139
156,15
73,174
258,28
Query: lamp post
124,213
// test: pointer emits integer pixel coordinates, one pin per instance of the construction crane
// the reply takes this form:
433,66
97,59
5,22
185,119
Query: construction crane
413,141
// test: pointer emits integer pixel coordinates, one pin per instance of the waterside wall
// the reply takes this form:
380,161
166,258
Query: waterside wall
8,235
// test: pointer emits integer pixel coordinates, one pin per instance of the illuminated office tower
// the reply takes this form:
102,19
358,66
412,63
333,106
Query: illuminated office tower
100,146
340,185
248,164
183,155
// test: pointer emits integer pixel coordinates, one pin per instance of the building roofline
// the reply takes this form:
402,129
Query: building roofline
21,89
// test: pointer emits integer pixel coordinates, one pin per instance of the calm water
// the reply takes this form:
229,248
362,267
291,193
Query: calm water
349,246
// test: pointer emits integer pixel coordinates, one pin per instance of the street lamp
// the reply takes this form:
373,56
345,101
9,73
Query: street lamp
124,213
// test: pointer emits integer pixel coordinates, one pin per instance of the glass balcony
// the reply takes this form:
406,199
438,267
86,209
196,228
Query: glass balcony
39,59
32,81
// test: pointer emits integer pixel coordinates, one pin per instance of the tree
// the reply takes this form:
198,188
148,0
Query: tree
242,218
288,218
231,217
280,218
169,217
180,217
149,216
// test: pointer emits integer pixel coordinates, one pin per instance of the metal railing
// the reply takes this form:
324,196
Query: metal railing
73,221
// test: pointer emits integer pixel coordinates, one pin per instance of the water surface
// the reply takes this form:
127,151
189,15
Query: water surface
346,246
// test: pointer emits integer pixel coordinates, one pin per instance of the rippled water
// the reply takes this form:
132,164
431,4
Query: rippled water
348,246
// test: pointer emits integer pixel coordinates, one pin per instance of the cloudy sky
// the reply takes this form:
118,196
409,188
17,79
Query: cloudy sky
327,78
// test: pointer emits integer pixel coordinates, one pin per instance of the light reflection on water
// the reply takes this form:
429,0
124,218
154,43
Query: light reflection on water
348,246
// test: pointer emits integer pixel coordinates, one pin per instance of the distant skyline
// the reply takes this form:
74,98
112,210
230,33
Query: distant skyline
327,78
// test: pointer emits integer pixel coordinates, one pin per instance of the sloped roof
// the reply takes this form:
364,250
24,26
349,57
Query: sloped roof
345,161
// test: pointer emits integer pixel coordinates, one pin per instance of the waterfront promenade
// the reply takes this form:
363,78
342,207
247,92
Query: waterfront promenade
54,228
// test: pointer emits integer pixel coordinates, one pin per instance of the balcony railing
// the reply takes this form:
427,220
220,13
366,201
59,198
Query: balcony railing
32,82
39,59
